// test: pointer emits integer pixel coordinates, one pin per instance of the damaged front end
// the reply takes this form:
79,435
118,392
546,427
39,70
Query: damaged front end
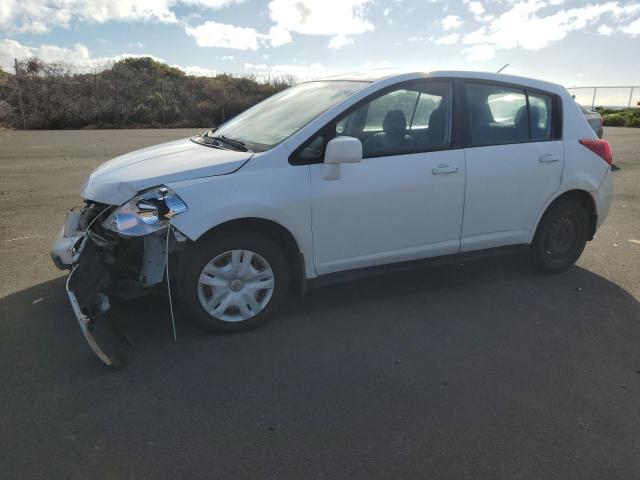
116,253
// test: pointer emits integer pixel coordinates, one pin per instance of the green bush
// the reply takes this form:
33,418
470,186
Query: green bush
614,120
628,117
634,122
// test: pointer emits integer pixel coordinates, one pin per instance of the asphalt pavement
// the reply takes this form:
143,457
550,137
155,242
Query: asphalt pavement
477,370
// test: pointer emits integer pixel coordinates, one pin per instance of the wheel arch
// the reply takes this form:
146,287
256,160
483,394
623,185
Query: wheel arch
274,231
581,196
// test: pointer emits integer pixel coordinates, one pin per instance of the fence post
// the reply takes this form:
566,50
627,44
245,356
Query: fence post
593,100
630,98
164,104
96,97
18,81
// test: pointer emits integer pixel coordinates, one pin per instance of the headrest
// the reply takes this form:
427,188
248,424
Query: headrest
394,122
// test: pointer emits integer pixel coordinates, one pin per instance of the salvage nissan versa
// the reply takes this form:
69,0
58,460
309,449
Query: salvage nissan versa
335,177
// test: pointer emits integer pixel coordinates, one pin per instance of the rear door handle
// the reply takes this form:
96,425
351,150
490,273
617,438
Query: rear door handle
444,169
549,158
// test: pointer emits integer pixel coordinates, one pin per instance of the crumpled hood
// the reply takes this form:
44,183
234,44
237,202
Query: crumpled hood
117,180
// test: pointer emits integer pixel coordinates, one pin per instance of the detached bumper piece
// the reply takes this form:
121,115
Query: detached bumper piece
86,287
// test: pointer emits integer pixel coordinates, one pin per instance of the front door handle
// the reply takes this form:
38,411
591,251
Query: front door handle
444,169
549,158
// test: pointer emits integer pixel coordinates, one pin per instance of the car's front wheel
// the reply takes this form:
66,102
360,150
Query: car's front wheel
234,281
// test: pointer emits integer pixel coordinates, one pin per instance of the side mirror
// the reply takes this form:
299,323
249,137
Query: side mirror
343,150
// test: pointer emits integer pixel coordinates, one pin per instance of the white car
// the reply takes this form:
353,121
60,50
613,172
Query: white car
347,174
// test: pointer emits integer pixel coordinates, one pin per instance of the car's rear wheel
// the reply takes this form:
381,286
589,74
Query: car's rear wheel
561,237
233,282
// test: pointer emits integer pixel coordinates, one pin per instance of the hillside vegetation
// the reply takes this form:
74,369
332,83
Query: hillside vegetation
134,92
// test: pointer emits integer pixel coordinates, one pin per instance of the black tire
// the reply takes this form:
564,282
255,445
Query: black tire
208,248
560,238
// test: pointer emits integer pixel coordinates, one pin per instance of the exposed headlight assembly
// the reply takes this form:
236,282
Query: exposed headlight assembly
145,213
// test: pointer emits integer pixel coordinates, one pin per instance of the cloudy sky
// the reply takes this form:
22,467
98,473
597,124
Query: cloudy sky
572,42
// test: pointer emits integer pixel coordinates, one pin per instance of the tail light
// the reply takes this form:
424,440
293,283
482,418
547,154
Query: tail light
600,148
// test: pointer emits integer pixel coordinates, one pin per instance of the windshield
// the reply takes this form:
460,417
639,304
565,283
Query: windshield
278,117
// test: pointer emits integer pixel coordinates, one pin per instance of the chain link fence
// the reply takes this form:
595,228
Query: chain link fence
607,97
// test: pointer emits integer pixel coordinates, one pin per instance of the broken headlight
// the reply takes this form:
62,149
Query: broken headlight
145,213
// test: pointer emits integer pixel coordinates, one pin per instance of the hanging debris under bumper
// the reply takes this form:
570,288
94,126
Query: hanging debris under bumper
86,287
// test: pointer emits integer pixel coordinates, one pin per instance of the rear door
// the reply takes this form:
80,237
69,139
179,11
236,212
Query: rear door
514,162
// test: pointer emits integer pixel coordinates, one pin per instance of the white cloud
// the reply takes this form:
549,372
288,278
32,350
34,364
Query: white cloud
300,72
212,4
321,17
525,25
227,57
605,30
479,52
633,28
256,66
305,72
475,7
338,18
278,36
198,71
381,64
39,16
78,56
214,34
451,21
448,39
340,41
10,49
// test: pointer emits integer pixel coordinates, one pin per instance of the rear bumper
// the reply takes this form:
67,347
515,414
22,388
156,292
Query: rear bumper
603,198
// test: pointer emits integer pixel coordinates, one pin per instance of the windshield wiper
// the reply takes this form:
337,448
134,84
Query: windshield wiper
237,144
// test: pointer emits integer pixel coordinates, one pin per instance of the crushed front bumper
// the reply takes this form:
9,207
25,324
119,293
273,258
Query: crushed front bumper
88,283
107,266
68,243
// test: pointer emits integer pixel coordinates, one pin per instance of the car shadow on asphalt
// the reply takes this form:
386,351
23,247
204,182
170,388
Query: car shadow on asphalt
474,304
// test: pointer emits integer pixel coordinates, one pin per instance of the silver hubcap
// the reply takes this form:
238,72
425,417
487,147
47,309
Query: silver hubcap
236,285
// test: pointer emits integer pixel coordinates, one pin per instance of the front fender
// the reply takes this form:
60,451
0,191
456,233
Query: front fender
279,195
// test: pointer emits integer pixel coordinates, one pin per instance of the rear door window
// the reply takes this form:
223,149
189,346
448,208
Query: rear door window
500,114
497,114
540,107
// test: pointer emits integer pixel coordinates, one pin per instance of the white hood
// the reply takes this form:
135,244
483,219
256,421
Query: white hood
117,180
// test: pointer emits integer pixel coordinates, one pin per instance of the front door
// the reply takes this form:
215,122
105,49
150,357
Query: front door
404,201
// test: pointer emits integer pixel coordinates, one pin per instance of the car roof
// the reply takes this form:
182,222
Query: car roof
389,76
